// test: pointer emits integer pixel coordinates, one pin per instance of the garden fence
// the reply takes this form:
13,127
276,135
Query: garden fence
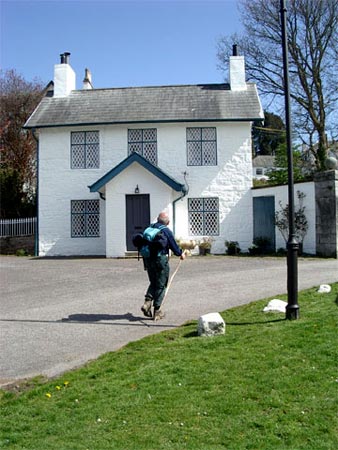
17,227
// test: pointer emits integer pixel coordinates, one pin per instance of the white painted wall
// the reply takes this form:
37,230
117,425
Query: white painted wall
58,185
230,180
281,194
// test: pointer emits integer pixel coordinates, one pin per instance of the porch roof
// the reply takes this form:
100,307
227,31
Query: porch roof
135,157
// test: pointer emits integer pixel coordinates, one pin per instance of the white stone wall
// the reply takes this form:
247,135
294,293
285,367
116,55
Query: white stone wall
230,180
281,194
58,185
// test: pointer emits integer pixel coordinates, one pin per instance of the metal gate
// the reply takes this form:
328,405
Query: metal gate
264,220
137,216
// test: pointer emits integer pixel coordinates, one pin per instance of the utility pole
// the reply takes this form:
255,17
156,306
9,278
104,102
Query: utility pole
292,308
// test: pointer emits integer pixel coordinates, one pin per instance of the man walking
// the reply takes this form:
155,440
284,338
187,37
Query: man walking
157,267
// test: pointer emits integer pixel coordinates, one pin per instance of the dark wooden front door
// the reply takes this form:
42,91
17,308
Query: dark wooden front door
137,216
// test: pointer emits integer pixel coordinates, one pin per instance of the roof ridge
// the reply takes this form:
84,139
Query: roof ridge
153,87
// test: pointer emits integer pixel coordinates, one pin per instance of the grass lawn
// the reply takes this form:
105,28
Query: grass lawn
267,384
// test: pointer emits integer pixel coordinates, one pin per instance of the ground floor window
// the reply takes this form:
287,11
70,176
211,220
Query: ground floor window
203,216
85,218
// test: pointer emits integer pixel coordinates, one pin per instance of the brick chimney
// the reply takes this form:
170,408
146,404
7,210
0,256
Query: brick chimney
64,77
237,71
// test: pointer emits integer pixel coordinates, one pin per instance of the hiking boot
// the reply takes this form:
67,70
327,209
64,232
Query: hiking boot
158,314
146,308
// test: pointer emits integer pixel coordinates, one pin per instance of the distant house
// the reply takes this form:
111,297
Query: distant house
109,160
261,165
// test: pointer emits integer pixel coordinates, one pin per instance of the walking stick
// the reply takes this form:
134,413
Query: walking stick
170,281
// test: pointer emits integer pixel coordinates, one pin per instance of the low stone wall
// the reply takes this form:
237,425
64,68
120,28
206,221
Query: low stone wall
10,245
326,184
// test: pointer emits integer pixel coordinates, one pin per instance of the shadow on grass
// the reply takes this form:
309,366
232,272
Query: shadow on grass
195,333
261,322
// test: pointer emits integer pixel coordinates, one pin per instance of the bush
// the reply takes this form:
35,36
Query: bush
261,246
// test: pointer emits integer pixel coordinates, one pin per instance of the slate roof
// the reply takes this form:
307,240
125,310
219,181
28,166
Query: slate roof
135,157
265,161
203,102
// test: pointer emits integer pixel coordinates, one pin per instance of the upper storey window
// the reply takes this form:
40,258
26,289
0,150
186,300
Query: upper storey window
85,150
144,142
201,146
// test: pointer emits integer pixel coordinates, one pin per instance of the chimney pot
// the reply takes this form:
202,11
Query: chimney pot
234,50
64,58
87,81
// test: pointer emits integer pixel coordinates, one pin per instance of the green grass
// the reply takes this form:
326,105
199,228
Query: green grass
267,384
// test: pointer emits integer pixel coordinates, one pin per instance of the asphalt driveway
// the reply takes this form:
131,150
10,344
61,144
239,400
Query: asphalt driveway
57,314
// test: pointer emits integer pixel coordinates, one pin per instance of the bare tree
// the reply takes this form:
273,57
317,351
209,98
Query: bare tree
18,98
313,62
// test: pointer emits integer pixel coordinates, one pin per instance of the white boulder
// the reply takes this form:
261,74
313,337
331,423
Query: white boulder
276,305
211,324
324,289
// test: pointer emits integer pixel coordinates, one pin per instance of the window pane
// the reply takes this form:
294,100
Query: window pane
93,206
211,223
78,225
78,157
193,134
92,157
134,135
150,153
194,154
93,225
92,137
208,134
196,223
149,134
209,153
135,148
195,204
211,204
78,206
78,137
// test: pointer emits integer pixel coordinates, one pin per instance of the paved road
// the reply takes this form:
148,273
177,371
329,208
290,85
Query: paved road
56,314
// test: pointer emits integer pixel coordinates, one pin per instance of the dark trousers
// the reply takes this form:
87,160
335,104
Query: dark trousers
158,274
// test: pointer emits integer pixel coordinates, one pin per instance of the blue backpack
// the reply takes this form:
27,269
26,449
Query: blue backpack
151,242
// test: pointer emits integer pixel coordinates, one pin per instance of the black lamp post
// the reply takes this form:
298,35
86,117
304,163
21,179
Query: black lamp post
292,309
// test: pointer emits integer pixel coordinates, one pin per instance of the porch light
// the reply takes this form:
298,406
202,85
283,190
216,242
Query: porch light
137,190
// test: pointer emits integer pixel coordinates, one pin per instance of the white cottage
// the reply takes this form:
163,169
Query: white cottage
109,160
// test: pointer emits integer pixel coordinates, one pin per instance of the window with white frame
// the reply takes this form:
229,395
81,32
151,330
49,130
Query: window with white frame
85,150
85,218
201,146
144,142
203,216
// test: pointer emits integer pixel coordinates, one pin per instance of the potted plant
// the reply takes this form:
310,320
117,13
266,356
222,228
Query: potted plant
204,245
232,247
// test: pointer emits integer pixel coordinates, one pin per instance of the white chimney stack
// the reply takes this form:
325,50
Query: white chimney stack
237,71
87,81
64,77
